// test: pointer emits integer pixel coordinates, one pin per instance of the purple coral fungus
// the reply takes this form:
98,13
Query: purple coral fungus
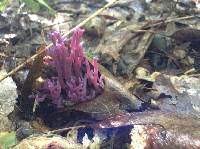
75,77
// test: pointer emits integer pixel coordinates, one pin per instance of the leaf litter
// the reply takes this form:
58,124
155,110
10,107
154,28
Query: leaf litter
148,53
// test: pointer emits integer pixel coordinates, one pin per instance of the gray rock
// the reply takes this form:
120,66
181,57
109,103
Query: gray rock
8,94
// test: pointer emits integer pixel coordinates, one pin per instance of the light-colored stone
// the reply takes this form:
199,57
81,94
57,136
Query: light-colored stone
179,53
141,72
8,94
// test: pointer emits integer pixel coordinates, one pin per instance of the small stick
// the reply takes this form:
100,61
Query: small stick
65,129
192,70
150,31
172,20
69,32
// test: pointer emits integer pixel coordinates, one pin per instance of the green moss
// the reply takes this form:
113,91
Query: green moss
7,139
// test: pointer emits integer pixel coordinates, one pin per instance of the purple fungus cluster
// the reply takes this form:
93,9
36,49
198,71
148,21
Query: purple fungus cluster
76,79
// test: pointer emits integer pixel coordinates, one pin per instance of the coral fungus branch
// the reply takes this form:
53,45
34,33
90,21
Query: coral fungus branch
75,75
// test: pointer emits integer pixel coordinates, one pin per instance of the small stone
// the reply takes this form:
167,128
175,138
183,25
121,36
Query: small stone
179,53
45,141
141,72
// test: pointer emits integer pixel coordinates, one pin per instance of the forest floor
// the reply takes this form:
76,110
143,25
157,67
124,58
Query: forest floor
147,50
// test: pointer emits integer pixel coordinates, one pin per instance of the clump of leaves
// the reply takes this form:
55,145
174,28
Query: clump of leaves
3,4
33,5
7,139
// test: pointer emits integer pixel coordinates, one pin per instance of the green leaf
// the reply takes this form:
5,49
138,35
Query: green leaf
43,3
3,4
33,5
7,139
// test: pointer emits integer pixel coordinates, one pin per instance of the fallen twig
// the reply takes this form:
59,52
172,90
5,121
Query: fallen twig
67,128
172,20
69,32
192,70
150,31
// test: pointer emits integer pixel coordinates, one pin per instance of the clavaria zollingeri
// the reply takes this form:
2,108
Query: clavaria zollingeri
76,79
